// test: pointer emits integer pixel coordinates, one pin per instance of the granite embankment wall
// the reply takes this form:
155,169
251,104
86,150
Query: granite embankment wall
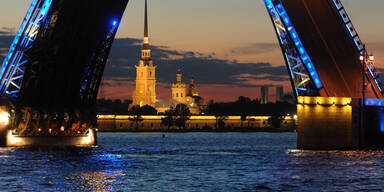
194,123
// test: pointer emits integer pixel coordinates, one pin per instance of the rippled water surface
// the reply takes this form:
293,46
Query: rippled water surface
191,162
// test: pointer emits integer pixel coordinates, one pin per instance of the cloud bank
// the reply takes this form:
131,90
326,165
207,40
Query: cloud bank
205,68
213,75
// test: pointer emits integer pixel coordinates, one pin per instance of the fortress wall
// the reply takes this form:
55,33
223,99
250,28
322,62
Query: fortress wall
195,123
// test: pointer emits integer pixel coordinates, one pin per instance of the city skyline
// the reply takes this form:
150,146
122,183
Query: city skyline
204,33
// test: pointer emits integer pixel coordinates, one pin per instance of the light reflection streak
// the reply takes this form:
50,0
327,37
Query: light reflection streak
96,180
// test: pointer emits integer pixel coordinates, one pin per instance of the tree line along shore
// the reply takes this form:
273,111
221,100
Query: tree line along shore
242,115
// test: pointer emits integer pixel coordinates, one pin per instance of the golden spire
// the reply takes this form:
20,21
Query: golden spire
146,36
146,50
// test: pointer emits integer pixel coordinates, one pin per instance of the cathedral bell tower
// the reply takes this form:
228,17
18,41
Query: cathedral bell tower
179,89
145,92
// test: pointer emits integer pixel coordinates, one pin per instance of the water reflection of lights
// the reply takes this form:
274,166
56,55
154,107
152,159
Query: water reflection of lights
350,165
335,153
112,157
108,170
94,180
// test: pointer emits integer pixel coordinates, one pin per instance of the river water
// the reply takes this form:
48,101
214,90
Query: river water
191,162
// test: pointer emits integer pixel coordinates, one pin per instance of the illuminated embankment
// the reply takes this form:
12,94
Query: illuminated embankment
194,123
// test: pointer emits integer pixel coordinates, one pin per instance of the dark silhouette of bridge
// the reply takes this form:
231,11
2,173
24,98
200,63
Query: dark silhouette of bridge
50,78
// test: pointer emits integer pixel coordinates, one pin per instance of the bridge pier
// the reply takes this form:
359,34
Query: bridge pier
373,135
333,123
327,123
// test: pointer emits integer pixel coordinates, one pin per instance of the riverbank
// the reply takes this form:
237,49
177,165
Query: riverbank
126,123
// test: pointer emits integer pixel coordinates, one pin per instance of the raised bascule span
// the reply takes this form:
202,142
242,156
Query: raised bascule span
50,78
324,56
322,49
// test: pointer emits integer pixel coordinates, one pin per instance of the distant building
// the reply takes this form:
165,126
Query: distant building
180,95
279,93
264,95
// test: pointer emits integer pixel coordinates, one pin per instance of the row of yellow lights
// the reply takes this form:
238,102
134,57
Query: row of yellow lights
153,117
325,100
62,129
371,57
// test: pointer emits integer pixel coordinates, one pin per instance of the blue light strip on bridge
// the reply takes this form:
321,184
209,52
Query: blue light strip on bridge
374,102
112,30
352,31
299,45
272,12
17,37
23,40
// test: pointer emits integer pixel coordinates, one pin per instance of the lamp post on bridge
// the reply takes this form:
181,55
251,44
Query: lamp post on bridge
364,59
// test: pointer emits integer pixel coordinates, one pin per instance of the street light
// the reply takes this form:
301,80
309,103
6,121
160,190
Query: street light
363,59
371,58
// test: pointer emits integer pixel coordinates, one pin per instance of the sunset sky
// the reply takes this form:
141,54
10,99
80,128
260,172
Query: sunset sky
229,46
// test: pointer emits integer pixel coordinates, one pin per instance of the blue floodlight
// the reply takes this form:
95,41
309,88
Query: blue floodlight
114,23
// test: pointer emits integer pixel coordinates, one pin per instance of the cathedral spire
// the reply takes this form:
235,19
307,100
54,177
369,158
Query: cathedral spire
145,92
146,50
146,20
146,36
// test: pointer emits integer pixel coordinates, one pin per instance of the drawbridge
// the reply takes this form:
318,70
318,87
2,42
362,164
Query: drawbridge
339,92
322,49
50,78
